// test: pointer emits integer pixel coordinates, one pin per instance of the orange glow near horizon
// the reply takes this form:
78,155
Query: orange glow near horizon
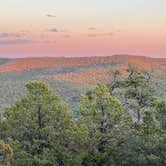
77,28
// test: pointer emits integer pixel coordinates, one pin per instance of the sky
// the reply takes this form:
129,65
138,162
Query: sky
82,28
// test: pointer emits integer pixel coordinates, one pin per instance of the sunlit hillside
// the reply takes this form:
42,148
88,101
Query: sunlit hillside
72,76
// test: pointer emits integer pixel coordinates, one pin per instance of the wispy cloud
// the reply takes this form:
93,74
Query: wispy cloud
53,30
60,30
13,42
50,15
7,35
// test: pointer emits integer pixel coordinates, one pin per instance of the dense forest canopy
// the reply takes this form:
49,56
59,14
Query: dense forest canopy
119,124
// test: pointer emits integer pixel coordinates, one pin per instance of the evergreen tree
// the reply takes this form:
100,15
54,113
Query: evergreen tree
41,131
106,122
135,91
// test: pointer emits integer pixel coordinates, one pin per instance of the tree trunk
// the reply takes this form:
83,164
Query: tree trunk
138,116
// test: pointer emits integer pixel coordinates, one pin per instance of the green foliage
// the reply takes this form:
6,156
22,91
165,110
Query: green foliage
12,84
161,113
106,121
42,132
40,129
135,91
114,139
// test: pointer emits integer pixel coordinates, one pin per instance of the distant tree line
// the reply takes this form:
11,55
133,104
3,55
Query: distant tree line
121,124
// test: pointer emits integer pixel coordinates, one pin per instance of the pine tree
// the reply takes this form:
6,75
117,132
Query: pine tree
135,91
41,131
105,119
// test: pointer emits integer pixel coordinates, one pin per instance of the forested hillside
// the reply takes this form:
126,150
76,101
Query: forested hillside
71,76
41,131
83,111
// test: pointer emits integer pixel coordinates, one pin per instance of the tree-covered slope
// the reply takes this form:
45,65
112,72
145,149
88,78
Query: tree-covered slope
71,76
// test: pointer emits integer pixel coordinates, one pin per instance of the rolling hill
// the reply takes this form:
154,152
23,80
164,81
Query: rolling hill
20,64
71,76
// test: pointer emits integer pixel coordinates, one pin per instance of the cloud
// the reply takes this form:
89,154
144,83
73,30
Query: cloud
13,42
50,15
16,35
53,30
91,28
100,34
60,30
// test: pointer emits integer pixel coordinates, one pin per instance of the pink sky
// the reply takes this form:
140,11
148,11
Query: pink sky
82,28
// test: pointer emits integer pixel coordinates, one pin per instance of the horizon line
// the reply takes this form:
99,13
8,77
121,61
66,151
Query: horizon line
99,56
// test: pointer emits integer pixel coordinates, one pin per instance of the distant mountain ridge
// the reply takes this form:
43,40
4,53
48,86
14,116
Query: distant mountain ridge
21,64
70,77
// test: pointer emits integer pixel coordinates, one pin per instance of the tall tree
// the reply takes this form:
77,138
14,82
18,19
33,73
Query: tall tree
105,118
40,129
134,91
